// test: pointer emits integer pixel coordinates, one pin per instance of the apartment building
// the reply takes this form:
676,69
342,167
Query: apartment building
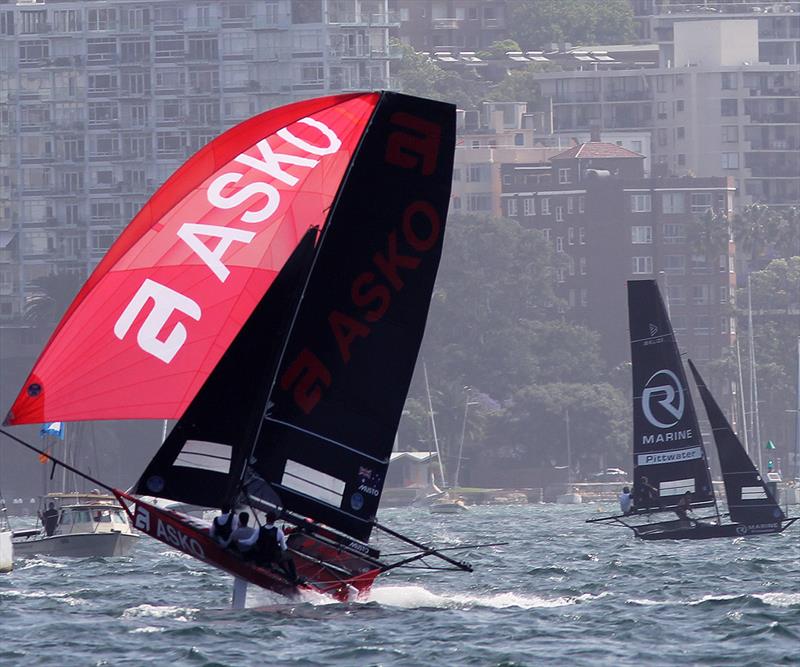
612,224
100,101
446,25
715,111
778,24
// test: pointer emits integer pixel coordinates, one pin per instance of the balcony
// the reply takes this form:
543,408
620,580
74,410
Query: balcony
627,95
577,97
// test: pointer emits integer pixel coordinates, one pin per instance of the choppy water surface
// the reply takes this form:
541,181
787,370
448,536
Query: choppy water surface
561,593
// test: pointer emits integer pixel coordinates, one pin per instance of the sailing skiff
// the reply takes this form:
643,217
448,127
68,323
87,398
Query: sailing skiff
271,296
669,457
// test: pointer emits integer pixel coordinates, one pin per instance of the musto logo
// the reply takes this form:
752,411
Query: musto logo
665,391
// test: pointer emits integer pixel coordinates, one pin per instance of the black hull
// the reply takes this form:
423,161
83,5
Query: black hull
677,530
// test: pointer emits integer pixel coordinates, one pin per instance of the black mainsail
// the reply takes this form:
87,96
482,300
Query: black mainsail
304,405
669,458
749,499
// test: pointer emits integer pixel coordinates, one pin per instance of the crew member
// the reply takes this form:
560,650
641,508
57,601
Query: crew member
626,501
244,538
223,525
649,496
50,519
684,505
272,548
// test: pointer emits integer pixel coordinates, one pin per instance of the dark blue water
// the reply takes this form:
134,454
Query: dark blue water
562,593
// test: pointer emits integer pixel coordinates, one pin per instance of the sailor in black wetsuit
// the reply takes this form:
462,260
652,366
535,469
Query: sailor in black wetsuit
272,548
223,525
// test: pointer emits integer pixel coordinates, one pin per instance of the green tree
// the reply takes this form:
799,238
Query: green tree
776,325
535,25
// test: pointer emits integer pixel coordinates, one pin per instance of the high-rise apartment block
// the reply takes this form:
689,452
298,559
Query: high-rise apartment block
101,101
610,223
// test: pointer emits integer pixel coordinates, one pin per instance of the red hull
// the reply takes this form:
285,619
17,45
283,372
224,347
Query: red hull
326,569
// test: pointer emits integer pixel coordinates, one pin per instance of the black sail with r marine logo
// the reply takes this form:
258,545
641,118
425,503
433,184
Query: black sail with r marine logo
341,384
669,458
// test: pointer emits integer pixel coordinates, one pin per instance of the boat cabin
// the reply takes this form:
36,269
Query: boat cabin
86,513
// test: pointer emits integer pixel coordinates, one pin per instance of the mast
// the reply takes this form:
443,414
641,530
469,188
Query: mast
569,450
753,375
797,415
741,398
433,425
467,403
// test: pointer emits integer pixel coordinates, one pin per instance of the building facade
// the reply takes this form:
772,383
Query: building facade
715,111
613,224
100,101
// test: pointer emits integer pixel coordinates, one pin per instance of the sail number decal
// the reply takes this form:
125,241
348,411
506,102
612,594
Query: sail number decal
415,146
259,199
666,392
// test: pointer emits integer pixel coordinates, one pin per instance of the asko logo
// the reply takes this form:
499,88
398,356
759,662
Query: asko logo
664,392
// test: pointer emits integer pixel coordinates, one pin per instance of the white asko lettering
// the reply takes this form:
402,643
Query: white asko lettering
672,436
169,534
165,345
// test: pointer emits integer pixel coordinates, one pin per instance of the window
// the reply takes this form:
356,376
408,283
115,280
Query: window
701,202
135,52
679,106
559,244
561,274
673,202
479,202
676,295
674,233
661,135
559,214
31,52
582,265
564,175
675,264
729,160
728,81
528,206
700,295
571,265
723,324
456,203
681,159
478,173
728,107
571,236
169,47
730,134
570,205
701,325
581,204
544,206
680,133
643,234
101,19
512,208
584,297
546,233
642,265
641,203
582,235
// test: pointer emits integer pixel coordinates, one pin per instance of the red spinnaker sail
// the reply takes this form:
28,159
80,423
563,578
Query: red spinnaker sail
165,302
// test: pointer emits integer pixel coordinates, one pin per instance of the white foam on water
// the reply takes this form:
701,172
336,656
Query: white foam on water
39,562
644,602
66,598
411,597
146,630
779,599
160,611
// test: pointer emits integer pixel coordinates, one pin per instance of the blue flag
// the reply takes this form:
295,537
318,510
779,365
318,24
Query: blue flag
56,429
